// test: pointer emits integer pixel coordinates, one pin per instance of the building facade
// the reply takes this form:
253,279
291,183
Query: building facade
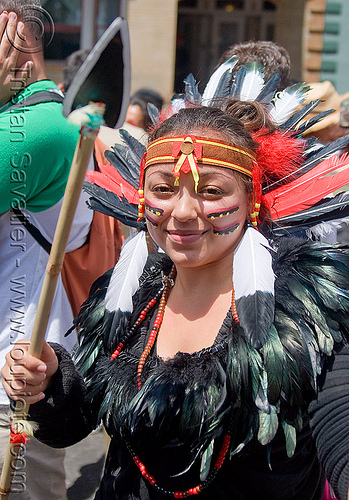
170,38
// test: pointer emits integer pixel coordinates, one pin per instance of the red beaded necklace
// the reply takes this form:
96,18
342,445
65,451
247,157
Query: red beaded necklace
168,284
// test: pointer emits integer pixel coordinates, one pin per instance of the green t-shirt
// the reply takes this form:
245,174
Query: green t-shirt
37,145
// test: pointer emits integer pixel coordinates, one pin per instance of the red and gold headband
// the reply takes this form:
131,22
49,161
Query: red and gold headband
189,151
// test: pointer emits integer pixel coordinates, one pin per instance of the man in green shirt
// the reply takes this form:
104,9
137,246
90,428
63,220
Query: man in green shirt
37,145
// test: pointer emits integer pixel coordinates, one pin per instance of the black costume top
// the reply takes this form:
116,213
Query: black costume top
176,422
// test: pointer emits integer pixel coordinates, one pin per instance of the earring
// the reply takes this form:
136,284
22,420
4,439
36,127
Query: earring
254,214
141,205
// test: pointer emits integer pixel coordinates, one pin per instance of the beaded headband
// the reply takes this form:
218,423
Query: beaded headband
187,151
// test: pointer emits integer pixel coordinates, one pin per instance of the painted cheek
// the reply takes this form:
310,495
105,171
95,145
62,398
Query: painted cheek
152,213
225,221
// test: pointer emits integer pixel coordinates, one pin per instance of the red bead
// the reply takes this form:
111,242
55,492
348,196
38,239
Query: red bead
117,350
156,326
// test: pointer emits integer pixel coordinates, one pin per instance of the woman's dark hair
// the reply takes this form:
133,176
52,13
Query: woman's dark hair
252,115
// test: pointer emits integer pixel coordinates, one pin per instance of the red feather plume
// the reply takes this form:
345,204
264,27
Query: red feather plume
109,178
278,154
310,188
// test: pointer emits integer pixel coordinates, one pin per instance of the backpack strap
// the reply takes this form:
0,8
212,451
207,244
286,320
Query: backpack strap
32,230
51,95
39,97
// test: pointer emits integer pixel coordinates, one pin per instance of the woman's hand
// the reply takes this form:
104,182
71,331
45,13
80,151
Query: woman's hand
25,377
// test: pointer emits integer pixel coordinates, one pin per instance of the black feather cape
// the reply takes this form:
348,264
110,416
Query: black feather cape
176,422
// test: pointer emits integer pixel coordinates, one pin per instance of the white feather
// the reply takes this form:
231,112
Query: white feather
211,86
253,82
285,102
124,281
252,265
177,103
28,427
327,231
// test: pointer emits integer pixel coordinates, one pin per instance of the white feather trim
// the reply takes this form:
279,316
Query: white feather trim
327,231
252,265
253,279
211,86
124,281
285,102
253,82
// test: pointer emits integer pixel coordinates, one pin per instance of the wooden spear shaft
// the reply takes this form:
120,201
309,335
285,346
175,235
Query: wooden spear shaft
72,192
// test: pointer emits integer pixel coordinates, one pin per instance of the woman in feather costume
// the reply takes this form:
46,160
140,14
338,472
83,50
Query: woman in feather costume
218,364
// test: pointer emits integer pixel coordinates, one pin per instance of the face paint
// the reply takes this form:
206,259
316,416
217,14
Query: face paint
225,221
185,221
221,214
154,211
225,231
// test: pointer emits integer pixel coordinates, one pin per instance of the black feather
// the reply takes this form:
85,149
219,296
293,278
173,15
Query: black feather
274,358
122,160
328,209
137,149
191,89
315,119
237,83
268,91
299,115
223,87
109,203
154,113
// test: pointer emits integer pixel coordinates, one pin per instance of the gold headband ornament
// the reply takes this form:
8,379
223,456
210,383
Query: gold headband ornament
188,151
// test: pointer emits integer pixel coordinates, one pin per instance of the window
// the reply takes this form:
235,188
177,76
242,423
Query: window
230,5
108,10
66,16
187,3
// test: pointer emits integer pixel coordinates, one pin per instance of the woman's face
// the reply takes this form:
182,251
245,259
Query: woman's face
195,228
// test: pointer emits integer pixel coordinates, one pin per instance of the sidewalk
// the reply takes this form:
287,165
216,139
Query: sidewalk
84,465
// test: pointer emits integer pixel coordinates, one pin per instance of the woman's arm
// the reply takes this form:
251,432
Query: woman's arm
329,420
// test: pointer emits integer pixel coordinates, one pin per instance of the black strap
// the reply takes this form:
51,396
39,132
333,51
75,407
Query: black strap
37,98
33,230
